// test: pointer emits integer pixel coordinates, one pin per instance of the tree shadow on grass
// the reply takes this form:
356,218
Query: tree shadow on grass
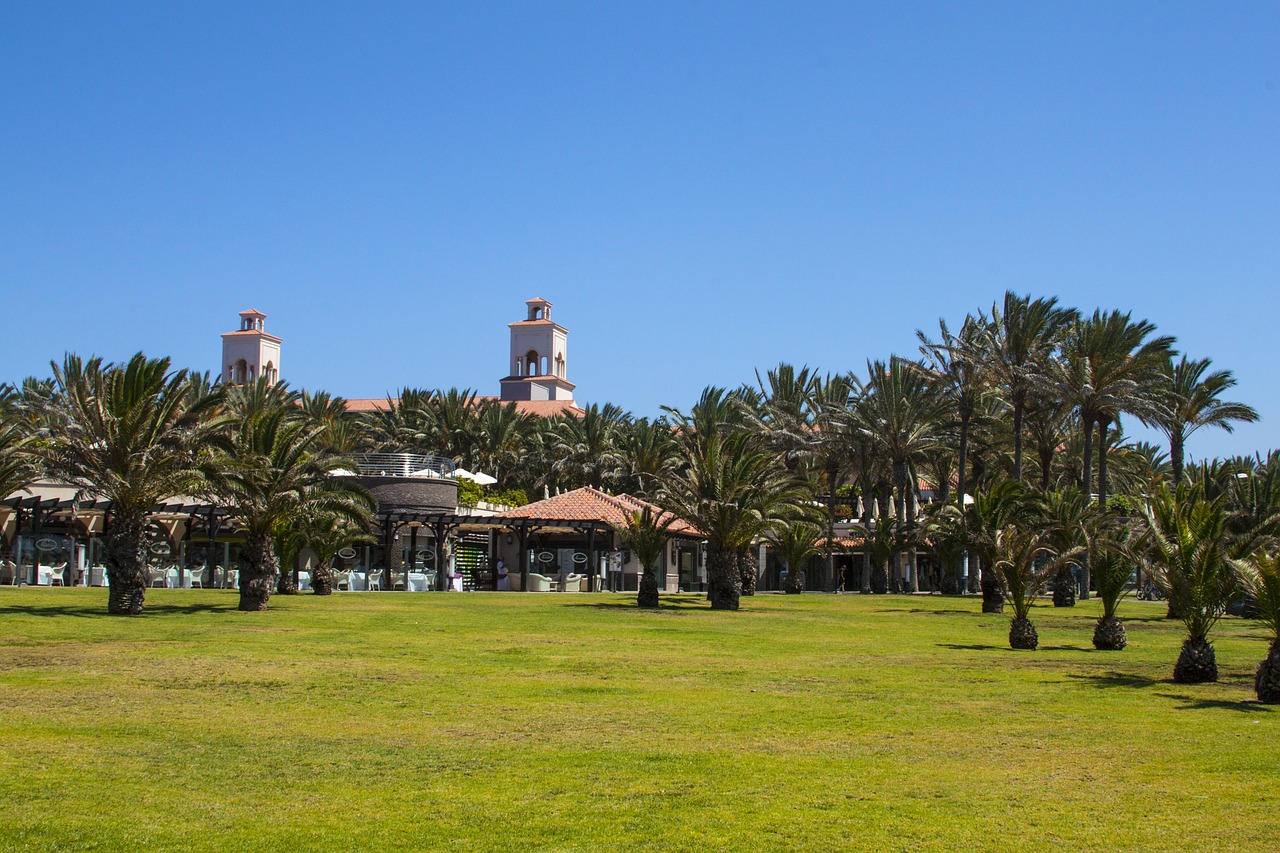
1243,706
973,647
99,610
928,612
1116,679
629,603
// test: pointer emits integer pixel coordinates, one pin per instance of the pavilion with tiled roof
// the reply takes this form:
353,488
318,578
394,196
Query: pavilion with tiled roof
566,518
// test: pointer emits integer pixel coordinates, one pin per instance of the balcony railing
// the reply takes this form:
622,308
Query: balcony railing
402,465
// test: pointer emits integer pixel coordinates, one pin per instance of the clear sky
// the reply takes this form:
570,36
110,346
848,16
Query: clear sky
701,188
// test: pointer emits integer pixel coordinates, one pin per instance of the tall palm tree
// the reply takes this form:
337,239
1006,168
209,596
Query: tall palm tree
1107,363
499,440
275,475
958,363
1188,399
134,435
406,425
587,446
905,414
1021,333
648,452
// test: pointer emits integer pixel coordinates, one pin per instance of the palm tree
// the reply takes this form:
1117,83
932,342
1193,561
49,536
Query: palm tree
586,447
133,435
276,475
1185,550
646,534
326,535
730,490
648,452
957,362
1260,578
1107,363
797,540
18,467
1006,505
1020,335
1025,566
1111,568
406,425
499,440
904,413
1189,400
1068,525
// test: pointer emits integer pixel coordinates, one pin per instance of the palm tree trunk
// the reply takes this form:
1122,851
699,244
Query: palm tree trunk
962,485
912,557
259,573
1019,403
1086,478
322,579
900,480
723,581
125,543
864,585
832,473
747,571
1176,450
1104,424
1046,467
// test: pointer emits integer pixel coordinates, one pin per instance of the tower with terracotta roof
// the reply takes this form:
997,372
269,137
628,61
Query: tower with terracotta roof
249,352
539,369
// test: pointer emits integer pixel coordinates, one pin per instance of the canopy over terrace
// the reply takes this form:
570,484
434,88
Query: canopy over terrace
49,525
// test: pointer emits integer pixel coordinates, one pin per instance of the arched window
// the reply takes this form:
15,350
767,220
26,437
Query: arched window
544,372
531,359
241,374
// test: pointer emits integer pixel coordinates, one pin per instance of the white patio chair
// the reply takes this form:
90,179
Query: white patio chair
233,579
58,575
8,573
196,577
373,580
158,576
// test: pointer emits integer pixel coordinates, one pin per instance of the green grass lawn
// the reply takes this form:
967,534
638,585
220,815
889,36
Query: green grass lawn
577,722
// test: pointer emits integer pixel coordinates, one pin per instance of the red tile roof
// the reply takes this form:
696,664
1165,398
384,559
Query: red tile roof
540,408
588,504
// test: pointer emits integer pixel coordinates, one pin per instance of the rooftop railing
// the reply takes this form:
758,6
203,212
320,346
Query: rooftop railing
402,465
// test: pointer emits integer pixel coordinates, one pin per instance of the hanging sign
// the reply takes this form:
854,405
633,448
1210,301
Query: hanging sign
579,558
347,553
46,544
546,557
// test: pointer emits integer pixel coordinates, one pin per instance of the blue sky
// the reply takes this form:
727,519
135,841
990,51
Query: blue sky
702,189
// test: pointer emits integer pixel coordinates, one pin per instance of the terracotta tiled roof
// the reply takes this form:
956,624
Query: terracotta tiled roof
842,542
588,504
256,332
541,408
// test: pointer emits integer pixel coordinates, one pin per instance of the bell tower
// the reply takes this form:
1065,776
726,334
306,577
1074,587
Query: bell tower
539,370
249,352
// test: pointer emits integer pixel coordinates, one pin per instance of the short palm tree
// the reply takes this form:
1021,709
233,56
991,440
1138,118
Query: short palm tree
1112,570
1068,521
797,540
276,475
326,535
132,434
1260,577
646,534
1024,566
1185,549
